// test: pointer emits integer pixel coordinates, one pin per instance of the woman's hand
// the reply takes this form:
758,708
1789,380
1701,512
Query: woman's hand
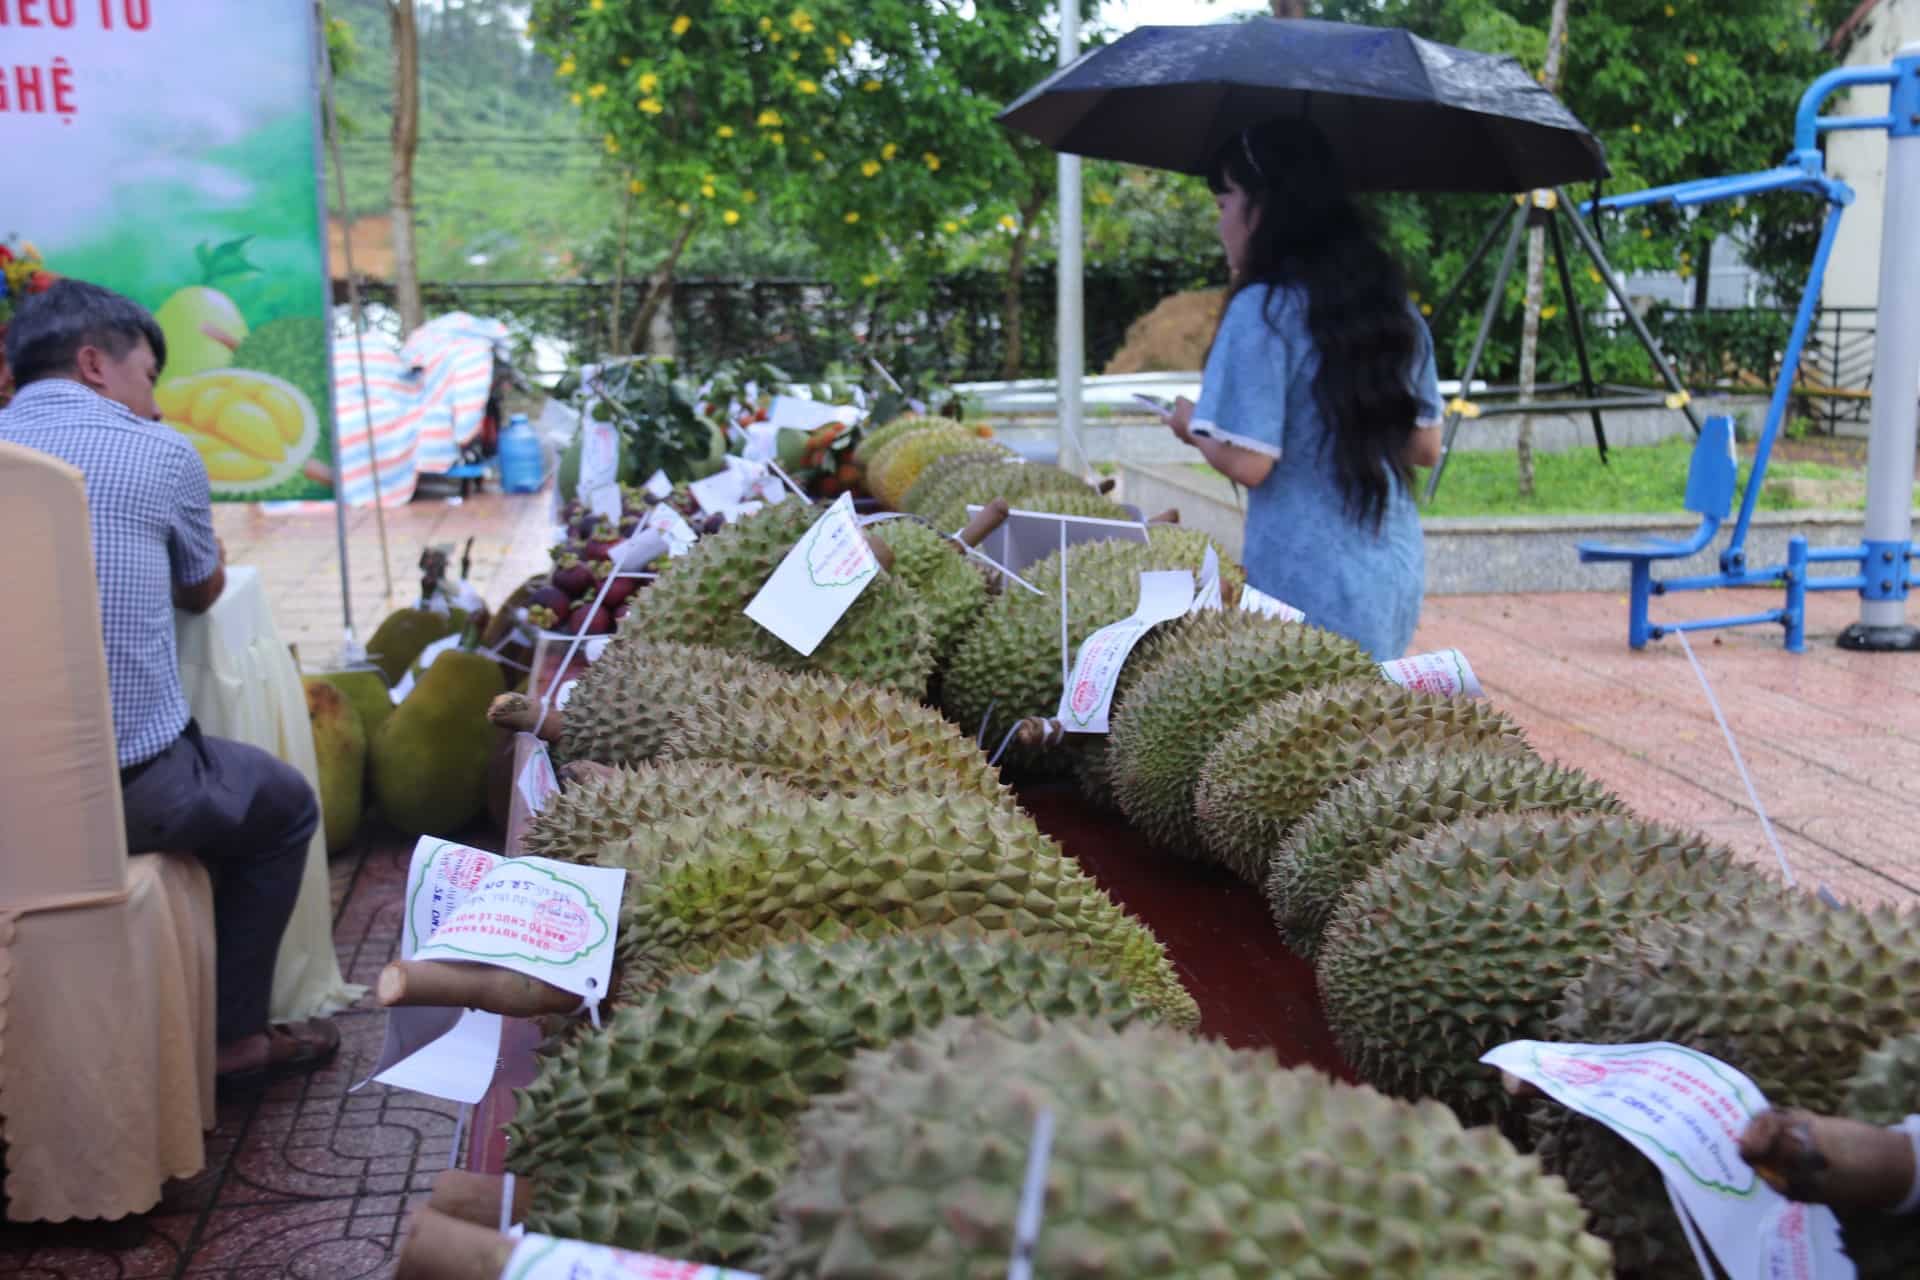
1180,418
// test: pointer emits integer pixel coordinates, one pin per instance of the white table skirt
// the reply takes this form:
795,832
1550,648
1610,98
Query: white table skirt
241,683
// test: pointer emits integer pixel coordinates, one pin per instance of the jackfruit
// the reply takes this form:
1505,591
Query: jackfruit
892,470
367,690
405,632
428,763
874,441
340,748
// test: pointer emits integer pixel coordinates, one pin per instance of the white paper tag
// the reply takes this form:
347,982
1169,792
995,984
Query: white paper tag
672,526
604,502
537,782
658,486
550,920
1207,594
1685,1111
810,415
558,419
539,1257
763,442
563,693
741,510
1254,600
720,490
434,650
599,455
818,581
645,546
1445,672
1088,697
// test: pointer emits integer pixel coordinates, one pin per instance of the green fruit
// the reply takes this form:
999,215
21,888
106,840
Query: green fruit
874,441
946,582
1360,823
1170,1157
428,763
1008,665
765,864
1791,992
340,748
626,703
202,326
567,470
1466,938
692,1090
1193,690
699,597
367,690
398,640
892,470
1269,772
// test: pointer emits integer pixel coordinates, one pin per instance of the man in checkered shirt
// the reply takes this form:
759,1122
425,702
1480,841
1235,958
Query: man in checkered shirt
86,360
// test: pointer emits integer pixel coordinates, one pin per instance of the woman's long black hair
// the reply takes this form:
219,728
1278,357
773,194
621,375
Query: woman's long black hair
1312,235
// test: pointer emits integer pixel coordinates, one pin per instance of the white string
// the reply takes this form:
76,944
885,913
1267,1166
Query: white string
1004,743
1738,762
1033,1198
506,1202
984,558
590,1007
798,492
980,738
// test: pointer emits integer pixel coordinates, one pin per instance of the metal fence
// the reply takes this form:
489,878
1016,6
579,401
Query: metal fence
1742,346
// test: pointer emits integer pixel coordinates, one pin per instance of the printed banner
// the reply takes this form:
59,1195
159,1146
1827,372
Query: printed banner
168,149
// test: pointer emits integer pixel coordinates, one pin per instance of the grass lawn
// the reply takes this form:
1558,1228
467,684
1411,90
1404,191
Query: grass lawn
1641,479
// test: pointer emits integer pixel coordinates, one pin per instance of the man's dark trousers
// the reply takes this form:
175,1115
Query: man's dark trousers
249,817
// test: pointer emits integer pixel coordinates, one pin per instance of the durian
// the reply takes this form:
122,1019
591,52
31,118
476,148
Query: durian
892,470
1008,666
1791,992
884,638
1360,823
690,1092
773,865
1265,775
947,583
1170,1157
620,810
1467,938
625,704
941,471
1197,685
1886,1088
943,503
880,437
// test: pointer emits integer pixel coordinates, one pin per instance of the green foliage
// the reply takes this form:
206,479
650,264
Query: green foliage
652,406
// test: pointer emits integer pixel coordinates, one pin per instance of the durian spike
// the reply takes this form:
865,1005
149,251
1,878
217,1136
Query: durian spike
442,1248
1854,1167
881,551
985,521
1170,516
470,986
475,1197
515,712
1039,731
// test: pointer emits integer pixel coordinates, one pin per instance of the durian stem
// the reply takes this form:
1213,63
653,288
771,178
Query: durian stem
442,1248
1852,1166
475,1197
1170,516
446,985
881,551
985,521
1108,485
1039,731
513,711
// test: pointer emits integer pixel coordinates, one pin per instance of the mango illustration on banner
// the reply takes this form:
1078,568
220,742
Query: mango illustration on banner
538,1257
817,581
1445,672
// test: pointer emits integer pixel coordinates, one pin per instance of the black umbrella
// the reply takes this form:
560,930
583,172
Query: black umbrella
1401,113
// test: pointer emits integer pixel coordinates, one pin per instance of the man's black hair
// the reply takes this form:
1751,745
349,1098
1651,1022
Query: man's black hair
48,329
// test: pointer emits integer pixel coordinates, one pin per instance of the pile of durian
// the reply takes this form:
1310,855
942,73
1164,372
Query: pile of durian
851,971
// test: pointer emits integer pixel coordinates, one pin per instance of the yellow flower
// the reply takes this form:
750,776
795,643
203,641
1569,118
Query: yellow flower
576,98
680,24
766,24
1670,11
794,56
1414,294
730,217
818,156
870,279
806,86
769,119
1646,233
749,196
777,138
565,68
725,131
845,39
1636,128
774,37
649,82
800,21
1006,220
889,151
1693,59
1548,313
1103,197
685,209
853,216
932,162
870,167
596,5
950,227
1594,275
597,91
637,187
612,144
706,189
651,106
1426,308
626,60
871,86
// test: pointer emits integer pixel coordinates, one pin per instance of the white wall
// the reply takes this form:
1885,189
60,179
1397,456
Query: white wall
1860,159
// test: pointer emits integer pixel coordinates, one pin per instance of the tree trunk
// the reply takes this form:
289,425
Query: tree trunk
1289,8
620,272
406,140
1536,276
1010,305
660,286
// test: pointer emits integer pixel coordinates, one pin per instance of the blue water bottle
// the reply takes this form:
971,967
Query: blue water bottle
521,465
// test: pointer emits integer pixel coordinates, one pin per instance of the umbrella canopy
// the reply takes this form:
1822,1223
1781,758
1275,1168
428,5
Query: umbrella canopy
1401,113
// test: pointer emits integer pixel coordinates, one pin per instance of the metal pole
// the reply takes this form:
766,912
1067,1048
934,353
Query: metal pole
1587,387
1071,342
1497,296
352,652
1896,382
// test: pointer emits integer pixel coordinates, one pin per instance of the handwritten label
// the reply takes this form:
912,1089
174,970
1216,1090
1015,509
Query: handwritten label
818,581
763,442
537,781
604,502
1445,672
1685,1111
549,920
1254,600
538,1257
809,415
599,455
720,490
659,486
1088,697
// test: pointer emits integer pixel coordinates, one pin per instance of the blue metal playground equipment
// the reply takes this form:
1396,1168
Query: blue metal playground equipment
1883,557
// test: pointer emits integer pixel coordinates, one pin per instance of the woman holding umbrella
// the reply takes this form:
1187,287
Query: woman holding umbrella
1320,394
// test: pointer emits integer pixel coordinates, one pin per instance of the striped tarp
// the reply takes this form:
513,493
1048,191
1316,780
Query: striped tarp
426,400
